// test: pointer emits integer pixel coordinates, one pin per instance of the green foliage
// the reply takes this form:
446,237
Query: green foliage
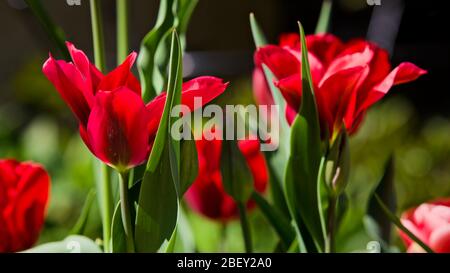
302,170
153,55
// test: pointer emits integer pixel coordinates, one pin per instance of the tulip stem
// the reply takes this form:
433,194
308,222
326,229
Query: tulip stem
100,63
106,203
245,227
122,29
97,35
125,211
331,225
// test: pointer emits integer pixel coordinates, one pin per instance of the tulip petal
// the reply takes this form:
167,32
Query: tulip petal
24,200
262,93
208,197
205,88
122,76
279,60
118,128
91,75
69,82
324,46
411,227
403,73
289,40
336,98
345,62
291,114
440,239
291,89
256,162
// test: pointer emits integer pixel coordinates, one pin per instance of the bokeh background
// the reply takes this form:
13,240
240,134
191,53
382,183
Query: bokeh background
412,123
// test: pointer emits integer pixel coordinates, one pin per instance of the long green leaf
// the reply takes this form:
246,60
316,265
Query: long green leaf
173,91
151,81
277,159
394,219
304,161
258,35
153,55
324,17
53,31
185,10
157,207
118,237
158,198
385,190
189,168
236,176
278,221
81,223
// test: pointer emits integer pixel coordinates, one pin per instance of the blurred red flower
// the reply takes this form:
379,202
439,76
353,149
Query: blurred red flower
115,123
348,77
24,192
207,195
430,222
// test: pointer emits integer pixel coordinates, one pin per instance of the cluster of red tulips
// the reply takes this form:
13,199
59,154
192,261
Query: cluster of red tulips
325,85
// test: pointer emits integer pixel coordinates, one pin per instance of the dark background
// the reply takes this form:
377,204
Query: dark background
221,29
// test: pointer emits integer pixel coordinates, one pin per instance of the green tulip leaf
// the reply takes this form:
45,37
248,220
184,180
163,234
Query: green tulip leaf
276,218
189,168
277,159
237,179
81,223
157,207
301,180
55,33
153,56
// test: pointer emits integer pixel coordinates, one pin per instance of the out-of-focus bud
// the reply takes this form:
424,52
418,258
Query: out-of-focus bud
337,165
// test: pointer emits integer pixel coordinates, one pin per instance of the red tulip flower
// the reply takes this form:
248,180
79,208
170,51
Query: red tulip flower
207,195
348,78
24,192
114,122
430,222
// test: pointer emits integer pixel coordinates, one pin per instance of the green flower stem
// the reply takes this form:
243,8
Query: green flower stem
331,225
97,35
122,30
106,201
105,185
245,227
125,211
324,17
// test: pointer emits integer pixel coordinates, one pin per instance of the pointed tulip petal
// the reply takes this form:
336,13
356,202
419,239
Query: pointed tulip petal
403,73
122,76
68,80
279,60
90,73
